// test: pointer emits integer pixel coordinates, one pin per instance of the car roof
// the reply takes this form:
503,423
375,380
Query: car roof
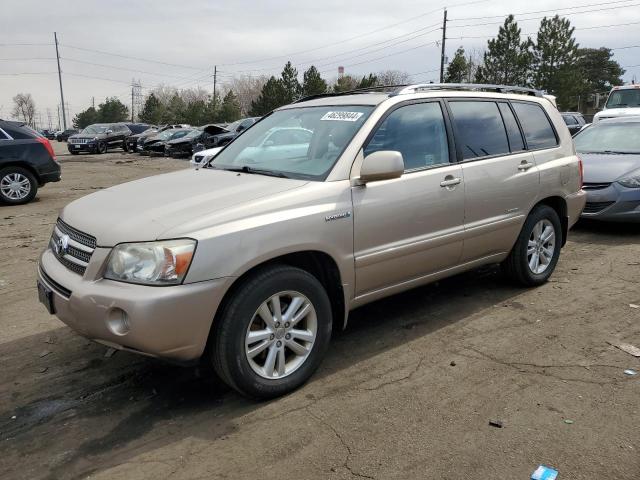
621,119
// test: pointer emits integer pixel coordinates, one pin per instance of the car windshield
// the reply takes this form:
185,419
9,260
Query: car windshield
232,126
173,134
300,142
166,135
609,138
193,134
97,128
624,98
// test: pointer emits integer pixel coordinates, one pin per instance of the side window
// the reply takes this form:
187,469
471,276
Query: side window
480,129
537,129
569,120
513,131
3,136
417,131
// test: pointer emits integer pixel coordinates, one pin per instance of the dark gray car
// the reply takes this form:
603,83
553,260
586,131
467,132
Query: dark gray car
98,138
610,152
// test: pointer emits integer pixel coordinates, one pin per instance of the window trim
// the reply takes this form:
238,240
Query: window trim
447,126
4,132
553,127
515,117
459,149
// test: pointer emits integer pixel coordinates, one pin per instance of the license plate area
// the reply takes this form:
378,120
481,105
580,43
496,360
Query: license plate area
45,295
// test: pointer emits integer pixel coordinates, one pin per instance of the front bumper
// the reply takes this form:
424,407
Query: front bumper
81,147
614,203
172,322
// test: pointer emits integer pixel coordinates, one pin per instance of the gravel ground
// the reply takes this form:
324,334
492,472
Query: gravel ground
407,391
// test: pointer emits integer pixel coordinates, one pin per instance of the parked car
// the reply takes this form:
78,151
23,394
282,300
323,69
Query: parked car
574,120
610,150
142,137
622,101
255,261
64,135
156,144
135,129
200,137
203,157
48,134
27,162
98,138
228,133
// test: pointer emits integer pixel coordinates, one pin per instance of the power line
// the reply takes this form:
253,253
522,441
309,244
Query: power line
25,44
122,68
131,58
534,33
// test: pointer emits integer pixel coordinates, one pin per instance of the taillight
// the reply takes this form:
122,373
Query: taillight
581,168
47,145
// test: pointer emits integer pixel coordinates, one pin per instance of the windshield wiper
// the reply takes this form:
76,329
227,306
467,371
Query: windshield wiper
257,171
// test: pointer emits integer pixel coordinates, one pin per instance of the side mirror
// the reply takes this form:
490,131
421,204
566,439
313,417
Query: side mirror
381,165
109,131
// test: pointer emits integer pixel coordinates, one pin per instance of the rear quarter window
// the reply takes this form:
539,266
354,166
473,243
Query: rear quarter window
538,131
480,130
20,133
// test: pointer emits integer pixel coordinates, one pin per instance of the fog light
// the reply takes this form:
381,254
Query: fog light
118,321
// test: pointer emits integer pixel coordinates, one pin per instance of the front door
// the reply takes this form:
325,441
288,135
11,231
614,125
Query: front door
409,227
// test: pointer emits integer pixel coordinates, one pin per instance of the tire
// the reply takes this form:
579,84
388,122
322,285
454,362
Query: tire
101,148
124,147
230,348
520,265
17,177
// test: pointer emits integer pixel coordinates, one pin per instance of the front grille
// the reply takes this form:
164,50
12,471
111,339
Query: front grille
595,207
595,186
80,140
79,248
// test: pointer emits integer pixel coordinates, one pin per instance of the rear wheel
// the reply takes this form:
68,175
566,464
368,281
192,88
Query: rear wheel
17,185
272,333
535,254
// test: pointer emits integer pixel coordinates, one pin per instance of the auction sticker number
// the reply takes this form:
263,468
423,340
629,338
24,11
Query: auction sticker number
342,116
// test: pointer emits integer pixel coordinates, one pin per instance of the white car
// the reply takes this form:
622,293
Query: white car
623,101
203,156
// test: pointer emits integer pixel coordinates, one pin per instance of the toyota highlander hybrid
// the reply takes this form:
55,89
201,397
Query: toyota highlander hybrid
250,262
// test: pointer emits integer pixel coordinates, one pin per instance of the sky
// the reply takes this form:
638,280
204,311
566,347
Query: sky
106,44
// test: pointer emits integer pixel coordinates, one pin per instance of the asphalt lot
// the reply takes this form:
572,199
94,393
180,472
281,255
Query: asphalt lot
407,391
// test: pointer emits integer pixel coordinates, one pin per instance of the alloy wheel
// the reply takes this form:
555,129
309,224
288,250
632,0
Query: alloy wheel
541,246
15,186
281,335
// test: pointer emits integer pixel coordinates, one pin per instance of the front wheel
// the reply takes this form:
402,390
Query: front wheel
101,148
535,255
272,333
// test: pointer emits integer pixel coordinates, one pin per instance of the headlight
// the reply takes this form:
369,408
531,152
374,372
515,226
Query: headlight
631,181
151,263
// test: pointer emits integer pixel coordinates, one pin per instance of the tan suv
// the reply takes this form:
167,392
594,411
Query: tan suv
250,262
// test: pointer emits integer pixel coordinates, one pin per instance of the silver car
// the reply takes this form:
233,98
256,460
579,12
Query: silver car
250,262
610,150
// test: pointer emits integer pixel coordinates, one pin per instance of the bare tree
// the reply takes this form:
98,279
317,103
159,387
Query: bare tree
24,108
393,77
247,89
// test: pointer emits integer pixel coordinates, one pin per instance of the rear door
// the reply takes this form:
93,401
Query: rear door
500,176
412,226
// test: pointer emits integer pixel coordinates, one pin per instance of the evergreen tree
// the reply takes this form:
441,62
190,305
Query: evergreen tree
290,84
112,110
345,84
230,108
507,60
459,69
152,111
313,83
176,111
272,95
554,55
368,82
85,118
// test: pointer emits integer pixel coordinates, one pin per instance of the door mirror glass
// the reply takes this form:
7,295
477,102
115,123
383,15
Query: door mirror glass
381,165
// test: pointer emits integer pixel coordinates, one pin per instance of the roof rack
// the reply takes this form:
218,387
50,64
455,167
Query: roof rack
350,92
467,86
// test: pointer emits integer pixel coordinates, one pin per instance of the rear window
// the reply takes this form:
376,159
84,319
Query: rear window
20,132
570,120
536,126
479,129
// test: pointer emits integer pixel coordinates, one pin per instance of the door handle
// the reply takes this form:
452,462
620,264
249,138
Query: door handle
450,181
524,166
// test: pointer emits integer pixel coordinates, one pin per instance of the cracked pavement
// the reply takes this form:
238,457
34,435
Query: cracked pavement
407,391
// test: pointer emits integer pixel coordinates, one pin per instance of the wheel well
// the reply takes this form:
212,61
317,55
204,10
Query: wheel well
318,264
26,166
560,206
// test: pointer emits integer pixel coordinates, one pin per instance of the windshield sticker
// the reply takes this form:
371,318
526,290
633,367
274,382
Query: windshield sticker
342,116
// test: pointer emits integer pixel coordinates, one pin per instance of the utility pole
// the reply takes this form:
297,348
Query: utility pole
64,116
59,124
215,80
444,40
132,86
93,102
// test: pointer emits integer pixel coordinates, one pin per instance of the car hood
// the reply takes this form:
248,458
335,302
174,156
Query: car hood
606,168
616,113
144,209
182,140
